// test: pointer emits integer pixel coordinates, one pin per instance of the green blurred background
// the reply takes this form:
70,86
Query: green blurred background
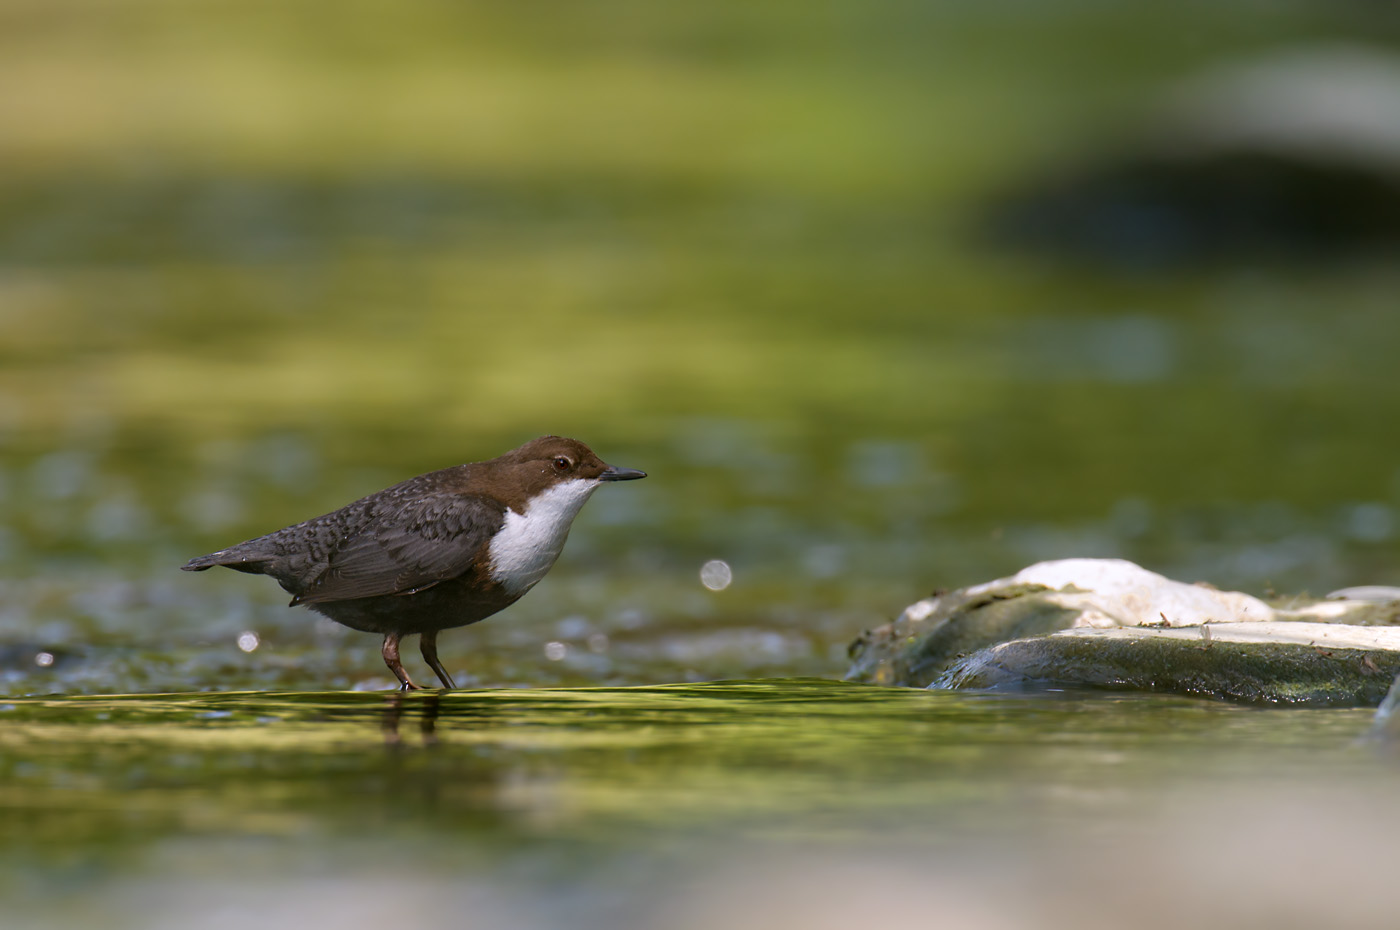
258,259
885,296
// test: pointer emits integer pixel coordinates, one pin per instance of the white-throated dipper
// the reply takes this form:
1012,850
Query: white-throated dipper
434,552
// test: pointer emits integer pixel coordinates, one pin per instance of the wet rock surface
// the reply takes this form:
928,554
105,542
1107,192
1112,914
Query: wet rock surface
1108,623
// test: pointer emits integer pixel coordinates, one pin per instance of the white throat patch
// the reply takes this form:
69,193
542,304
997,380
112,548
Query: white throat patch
528,543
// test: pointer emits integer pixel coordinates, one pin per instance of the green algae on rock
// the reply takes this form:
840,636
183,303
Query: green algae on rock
1182,662
925,641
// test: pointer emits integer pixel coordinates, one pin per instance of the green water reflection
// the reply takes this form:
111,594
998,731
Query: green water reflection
548,791
88,775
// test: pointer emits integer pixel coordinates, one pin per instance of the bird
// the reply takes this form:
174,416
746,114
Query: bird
444,549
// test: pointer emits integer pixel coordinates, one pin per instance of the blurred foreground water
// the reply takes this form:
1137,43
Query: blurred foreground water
774,803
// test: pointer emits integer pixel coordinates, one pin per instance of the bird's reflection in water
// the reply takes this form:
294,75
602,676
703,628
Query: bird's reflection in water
430,704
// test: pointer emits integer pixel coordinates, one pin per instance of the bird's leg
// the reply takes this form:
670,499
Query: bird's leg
428,643
391,659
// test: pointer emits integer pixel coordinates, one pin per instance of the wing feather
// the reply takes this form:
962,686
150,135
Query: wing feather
414,546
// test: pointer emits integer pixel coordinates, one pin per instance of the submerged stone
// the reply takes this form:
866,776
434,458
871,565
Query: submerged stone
1108,623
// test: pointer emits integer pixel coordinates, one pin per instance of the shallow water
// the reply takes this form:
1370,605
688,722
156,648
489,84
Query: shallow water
604,807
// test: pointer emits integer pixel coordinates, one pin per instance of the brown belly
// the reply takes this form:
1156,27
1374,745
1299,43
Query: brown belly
445,605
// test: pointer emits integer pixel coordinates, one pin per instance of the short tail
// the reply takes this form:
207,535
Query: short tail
229,558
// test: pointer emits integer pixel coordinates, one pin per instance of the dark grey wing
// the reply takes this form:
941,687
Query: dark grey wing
412,547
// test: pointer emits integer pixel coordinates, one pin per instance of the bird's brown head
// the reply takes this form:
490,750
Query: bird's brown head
550,460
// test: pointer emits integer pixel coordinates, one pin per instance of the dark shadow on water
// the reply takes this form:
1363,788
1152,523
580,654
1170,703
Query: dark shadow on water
431,704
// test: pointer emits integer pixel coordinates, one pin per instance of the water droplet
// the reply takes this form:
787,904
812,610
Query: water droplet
598,642
555,651
44,659
248,641
716,575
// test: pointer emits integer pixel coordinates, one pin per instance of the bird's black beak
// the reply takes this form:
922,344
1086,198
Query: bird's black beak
613,473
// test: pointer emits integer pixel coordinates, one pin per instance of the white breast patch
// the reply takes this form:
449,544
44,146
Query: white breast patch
528,544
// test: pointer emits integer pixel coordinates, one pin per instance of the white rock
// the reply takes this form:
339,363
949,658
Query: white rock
1116,592
1374,593
1321,635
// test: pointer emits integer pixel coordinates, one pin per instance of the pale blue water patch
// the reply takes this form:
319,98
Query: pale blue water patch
1125,348
1367,521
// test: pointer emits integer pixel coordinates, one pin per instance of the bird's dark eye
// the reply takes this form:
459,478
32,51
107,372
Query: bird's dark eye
562,463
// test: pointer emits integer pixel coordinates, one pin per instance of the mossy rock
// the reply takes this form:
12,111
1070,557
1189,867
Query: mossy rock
915,650
1181,662
1107,623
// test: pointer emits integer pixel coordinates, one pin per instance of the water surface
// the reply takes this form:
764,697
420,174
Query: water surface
594,805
